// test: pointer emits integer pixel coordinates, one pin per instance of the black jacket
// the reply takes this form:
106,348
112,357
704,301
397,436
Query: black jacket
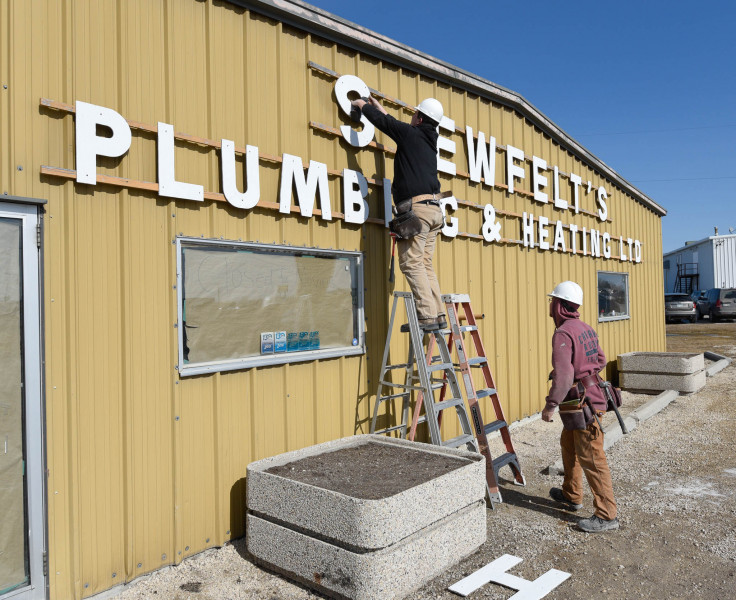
415,165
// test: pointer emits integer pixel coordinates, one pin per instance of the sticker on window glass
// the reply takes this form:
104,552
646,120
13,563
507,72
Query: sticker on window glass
267,342
303,341
292,341
280,341
314,340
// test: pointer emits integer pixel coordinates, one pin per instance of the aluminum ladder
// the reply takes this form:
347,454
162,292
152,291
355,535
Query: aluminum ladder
420,376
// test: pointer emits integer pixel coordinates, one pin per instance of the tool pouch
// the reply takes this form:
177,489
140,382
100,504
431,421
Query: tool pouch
405,225
575,411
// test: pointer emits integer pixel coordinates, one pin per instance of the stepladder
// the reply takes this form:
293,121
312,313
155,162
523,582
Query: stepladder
462,321
429,371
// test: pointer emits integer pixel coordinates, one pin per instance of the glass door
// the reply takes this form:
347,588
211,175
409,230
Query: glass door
21,433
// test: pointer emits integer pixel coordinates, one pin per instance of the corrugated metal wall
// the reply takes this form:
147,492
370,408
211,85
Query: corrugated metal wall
724,259
146,468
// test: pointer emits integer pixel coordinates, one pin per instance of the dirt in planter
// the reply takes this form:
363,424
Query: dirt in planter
369,471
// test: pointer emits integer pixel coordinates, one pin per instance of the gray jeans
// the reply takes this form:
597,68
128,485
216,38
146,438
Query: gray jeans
415,262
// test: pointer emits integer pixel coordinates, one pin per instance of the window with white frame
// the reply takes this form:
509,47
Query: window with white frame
243,305
613,296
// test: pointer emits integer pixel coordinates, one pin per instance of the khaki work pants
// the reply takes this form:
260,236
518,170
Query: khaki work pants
415,262
582,452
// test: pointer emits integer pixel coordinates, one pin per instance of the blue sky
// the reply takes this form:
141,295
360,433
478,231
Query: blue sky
648,86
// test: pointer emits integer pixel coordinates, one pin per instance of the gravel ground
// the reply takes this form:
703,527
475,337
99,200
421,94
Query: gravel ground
674,478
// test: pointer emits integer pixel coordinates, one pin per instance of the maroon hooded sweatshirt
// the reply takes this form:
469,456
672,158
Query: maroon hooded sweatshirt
575,354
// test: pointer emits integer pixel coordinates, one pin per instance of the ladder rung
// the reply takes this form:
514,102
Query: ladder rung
477,360
392,396
401,385
495,426
389,429
402,366
485,393
464,328
450,402
439,367
503,460
458,441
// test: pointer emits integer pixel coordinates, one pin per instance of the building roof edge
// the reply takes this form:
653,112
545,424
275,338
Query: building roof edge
306,16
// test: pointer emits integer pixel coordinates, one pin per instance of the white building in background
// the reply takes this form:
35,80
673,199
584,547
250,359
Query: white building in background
701,265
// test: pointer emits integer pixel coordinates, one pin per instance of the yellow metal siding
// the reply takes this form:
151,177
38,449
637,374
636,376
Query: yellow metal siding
146,468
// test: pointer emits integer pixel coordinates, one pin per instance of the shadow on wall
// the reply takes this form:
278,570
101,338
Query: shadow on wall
238,507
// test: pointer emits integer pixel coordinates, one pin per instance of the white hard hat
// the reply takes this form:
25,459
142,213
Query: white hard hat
569,291
432,108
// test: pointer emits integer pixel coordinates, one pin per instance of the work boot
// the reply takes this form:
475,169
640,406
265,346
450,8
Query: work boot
595,524
441,322
558,494
425,325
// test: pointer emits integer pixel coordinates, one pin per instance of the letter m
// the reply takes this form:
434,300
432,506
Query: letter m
292,173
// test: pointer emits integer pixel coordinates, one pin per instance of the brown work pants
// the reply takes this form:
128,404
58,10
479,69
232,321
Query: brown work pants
582,452
415,262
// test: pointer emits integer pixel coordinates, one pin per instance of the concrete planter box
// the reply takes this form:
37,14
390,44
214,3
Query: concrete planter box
658,382
366,549
671,363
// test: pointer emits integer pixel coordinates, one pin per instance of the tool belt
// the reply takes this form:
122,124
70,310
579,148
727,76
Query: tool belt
406,224
576,411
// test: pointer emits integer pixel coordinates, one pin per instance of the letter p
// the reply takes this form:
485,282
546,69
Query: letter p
89,145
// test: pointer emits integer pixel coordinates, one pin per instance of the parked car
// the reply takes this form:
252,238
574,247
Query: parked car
697,294
678,307
717,303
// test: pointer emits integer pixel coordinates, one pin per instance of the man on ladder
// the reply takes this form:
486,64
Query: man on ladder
576,359
416,193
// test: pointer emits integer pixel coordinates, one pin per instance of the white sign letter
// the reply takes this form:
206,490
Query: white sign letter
527,224
574,238
89,145
450,229
576,181
538,180
446,145
559,240
356,208
292,171
601,199
637,250
543,233
481,160
229,184
560,202
512,169
606,245
344,85
167,184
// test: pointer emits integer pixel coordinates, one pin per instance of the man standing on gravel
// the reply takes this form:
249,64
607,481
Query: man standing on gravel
416,188
577,358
